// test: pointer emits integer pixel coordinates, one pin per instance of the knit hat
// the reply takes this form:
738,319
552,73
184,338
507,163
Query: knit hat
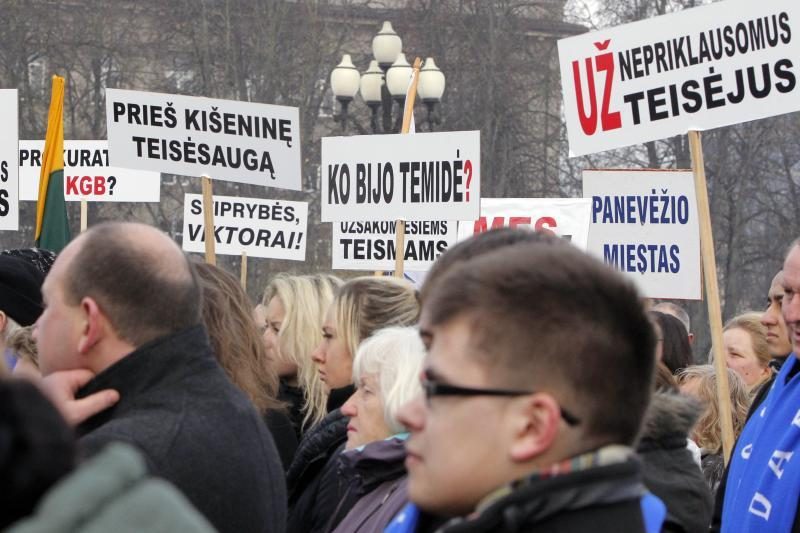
40,258
20,290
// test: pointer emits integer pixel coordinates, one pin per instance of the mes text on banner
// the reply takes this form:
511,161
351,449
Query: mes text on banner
701,68
273,229
566,217
645,224
371,245
87,175
426,176
9,167
244,142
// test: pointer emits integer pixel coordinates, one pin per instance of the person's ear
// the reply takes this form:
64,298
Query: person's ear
94,327
535,423
3,321
691,338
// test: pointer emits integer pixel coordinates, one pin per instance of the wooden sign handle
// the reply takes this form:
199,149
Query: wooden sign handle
84,215
243,277
712,294
408,113
208,221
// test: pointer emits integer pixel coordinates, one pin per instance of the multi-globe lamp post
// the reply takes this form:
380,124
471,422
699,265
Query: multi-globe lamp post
385,82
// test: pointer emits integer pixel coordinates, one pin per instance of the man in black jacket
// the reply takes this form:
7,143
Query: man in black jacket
123,302
539,370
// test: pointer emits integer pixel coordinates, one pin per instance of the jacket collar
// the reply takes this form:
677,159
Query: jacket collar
606,476
152,365
375,462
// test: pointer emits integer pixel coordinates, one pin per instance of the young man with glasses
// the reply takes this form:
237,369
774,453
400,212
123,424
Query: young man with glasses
539,369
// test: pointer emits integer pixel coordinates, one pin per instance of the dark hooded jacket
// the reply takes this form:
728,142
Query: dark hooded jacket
376,486
668,468
313,480
195,429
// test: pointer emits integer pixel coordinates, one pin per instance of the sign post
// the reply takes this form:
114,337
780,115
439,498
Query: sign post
84,215
712,293
408,114
243,276
208,221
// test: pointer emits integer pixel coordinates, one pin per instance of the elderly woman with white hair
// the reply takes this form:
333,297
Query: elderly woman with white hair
386,373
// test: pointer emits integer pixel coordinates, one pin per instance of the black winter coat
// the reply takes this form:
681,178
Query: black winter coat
668,468
313,480
195,429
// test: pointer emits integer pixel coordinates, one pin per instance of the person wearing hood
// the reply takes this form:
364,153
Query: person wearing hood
668,468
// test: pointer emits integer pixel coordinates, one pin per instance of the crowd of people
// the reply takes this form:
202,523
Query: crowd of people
525,386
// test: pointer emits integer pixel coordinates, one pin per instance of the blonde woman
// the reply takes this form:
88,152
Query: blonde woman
361,307
700,382
293,309
747,350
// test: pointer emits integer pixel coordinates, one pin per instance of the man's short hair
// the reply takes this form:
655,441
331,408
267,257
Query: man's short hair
552,318
480,244
144,293
677,311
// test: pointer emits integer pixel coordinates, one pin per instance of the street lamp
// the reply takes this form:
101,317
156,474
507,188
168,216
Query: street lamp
385,80
344,83
431,89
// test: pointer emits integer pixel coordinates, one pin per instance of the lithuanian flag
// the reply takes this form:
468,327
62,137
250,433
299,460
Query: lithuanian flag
52,226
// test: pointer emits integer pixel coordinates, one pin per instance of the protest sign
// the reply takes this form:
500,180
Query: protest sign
260,228
566,217
228,140
700,68
426,176
371,245
87,175
9,167
645,223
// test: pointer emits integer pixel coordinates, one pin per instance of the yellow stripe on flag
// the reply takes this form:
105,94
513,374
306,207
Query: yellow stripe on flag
53,156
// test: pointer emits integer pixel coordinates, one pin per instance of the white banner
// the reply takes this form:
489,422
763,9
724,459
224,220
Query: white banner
644,223
371,245
9,167
262,228
701,68
425,176
87,175
227,140
566,217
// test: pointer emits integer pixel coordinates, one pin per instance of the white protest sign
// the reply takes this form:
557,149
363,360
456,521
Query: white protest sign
371,245
566,217
425,176
262,228
645,223
701,68
9,167
227,140
87,175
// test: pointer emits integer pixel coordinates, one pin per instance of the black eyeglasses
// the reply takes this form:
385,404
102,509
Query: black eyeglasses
434,388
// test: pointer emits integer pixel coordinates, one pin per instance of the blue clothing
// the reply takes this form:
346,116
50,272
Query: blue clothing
763,484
